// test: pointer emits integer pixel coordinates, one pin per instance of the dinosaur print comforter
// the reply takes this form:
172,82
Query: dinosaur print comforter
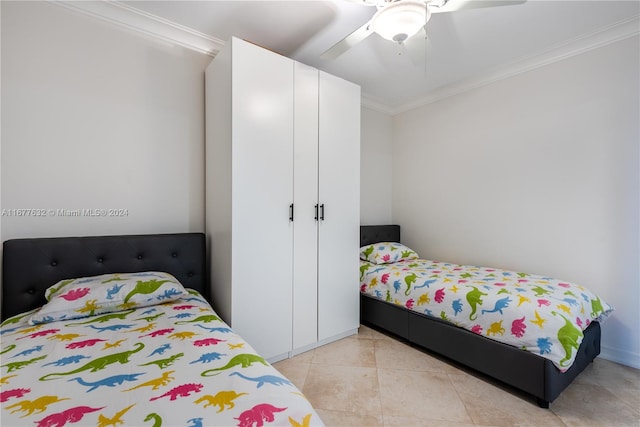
539,314
174,364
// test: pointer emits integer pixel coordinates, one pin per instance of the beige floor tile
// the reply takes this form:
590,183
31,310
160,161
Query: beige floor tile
294,369
397,355
491,405
419,422
346,352
586,405
343,388
424,395
344,419
610,374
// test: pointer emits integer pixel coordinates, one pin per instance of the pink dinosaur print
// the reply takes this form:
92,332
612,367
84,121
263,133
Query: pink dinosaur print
184,307
257,415
386,258
207,342
477,329
385,278
462,281
72,415
409,304
500,284
75,294
518,327
542,302
522,280
439,295
183,390
41,333
83,344
16,392
363,287
579,322
157,333
564,285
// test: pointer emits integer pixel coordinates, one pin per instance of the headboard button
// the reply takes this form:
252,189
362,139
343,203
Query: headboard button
31,291
54,263
139,256
175,255
190,274
100,260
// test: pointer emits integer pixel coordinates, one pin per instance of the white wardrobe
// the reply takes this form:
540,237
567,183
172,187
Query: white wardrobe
282,199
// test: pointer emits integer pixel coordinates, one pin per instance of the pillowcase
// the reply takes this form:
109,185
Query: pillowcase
387,253
89,296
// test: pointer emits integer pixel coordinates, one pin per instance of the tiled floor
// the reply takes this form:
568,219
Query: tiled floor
374,380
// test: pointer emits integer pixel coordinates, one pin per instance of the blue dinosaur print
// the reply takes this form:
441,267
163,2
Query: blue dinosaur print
457,306
195,422
378,294
376,270
396,286
222,330
160,350
571,302
586,298
109,328
193,299
545,345
426,283
145,275
264,379
500,305
168,293
107,382
28,351
67,360
87,280
151,310
208,357
9,330
181,316
113,290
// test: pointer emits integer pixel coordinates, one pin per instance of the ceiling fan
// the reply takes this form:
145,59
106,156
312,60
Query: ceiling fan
400,20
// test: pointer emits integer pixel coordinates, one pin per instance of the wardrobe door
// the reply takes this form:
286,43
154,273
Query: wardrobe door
262,170
305,196
339,196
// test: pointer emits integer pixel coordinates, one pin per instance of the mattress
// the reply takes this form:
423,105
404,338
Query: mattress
538,314
171,364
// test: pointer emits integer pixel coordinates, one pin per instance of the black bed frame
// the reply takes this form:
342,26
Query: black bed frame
30,266
521,369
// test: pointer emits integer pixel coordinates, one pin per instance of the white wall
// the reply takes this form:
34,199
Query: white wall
535,173
375,167
94,116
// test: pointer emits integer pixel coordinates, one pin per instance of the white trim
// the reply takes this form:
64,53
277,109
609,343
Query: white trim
619,31
623,357
369,102
145,23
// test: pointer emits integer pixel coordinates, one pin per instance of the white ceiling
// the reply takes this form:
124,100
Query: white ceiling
463,45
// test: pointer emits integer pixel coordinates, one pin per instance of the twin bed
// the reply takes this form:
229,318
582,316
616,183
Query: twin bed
131,341
467,313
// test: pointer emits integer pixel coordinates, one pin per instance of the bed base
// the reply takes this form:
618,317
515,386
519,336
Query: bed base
523,370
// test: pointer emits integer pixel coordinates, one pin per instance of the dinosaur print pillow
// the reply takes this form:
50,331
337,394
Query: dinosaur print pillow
89,296
387,253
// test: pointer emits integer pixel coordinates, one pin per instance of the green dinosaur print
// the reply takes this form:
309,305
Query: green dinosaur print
596,307
14,366
100,363
363,269
53,291
101,319
540,291
163,363
9,348
368,252
204,319
409,279
406,253
388,297
244,360
16,319
157,419
474,298
147,287
568,335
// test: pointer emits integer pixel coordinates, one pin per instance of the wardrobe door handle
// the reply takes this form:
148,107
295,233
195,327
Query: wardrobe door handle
316,217
291,212
322,212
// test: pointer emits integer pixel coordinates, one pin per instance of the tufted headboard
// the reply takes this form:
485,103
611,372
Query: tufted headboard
379,233
30,266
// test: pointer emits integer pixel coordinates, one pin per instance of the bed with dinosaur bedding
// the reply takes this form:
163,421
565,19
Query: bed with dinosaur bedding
532,332
117,330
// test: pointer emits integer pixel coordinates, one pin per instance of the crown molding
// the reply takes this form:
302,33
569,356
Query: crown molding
604,36
145,23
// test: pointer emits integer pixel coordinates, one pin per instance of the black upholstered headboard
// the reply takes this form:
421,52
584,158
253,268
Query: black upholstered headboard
379,233
30,266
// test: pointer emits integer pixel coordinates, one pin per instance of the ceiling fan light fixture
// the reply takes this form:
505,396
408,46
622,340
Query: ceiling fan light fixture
400,20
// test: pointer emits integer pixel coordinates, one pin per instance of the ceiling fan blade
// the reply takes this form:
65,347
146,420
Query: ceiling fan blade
453,5
417,47
348,42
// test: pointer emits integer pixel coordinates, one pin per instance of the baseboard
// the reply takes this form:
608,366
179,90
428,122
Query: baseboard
623,357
